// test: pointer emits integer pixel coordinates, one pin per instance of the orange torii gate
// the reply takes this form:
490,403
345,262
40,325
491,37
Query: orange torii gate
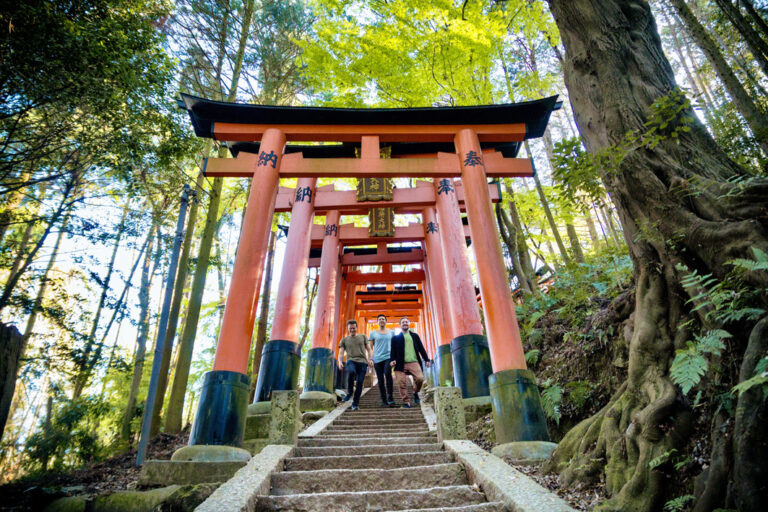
440,143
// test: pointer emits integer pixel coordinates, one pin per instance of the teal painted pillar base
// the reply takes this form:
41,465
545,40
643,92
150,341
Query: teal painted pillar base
444,366
221,411
319,374
471,364
279,369
517,411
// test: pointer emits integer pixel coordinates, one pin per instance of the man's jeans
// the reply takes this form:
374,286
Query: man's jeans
356,372
384,376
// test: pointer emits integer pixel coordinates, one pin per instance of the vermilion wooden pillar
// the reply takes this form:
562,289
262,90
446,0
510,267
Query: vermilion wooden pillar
469,347
280,358
518,415
220,418
441,302
319,376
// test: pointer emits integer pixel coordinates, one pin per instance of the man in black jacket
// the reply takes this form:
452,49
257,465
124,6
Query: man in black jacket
407,353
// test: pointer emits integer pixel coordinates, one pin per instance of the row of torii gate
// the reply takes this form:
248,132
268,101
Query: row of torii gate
482,356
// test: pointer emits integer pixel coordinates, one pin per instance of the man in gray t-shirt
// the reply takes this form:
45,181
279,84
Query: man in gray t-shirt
382,339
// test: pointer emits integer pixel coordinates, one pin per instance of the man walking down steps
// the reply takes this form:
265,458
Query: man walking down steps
375,459
356,349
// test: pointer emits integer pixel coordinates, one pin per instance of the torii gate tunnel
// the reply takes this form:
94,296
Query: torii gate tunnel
438,144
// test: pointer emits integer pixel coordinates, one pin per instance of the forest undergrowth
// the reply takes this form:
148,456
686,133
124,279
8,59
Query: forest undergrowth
575,336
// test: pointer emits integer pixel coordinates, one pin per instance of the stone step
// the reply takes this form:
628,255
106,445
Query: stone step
394,421
334,451
383,423
391,413
359,480
376,461
373,501
373,432
354,434
494,506
376,426
380,417
357,441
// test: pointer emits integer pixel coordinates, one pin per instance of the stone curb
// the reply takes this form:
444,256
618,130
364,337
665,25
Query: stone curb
501,482
238,494
429,416
321,424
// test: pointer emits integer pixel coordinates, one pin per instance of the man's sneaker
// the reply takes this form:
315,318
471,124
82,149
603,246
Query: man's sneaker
391,403
347,398
406,406
384,404
354,408
416,399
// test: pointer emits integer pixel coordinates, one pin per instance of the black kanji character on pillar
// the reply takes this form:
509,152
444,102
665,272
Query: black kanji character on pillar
431,227
331,230
444,186
303,193
265,158
472,159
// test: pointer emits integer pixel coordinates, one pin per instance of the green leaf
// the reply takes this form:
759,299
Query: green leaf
688,367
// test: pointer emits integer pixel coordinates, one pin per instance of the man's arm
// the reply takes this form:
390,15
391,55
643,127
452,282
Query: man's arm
369,351
422,351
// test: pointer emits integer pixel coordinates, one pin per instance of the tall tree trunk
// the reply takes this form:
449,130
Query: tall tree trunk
592,230
573,238
173,415
187,340
26,236
509,236
614,76
173,317
11,349
757,46
608,217
309,299
754,116
261,326
37,306
64,205
551,219
522,243
90,357
12,201
756,18
684,63
141,340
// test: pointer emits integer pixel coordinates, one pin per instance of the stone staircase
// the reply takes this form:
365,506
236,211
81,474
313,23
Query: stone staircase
374,459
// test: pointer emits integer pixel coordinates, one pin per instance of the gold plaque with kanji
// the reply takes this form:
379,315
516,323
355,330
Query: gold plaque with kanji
374,189
382,222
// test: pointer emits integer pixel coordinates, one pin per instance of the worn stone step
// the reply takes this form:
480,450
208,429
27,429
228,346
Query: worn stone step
333,451
392,415
357,441
494,506
376,461
353,434
358,480
373,501
378,424
373,432
375,426
371,418
393,421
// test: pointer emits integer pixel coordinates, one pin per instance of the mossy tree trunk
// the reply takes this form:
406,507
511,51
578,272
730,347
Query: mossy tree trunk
678,204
